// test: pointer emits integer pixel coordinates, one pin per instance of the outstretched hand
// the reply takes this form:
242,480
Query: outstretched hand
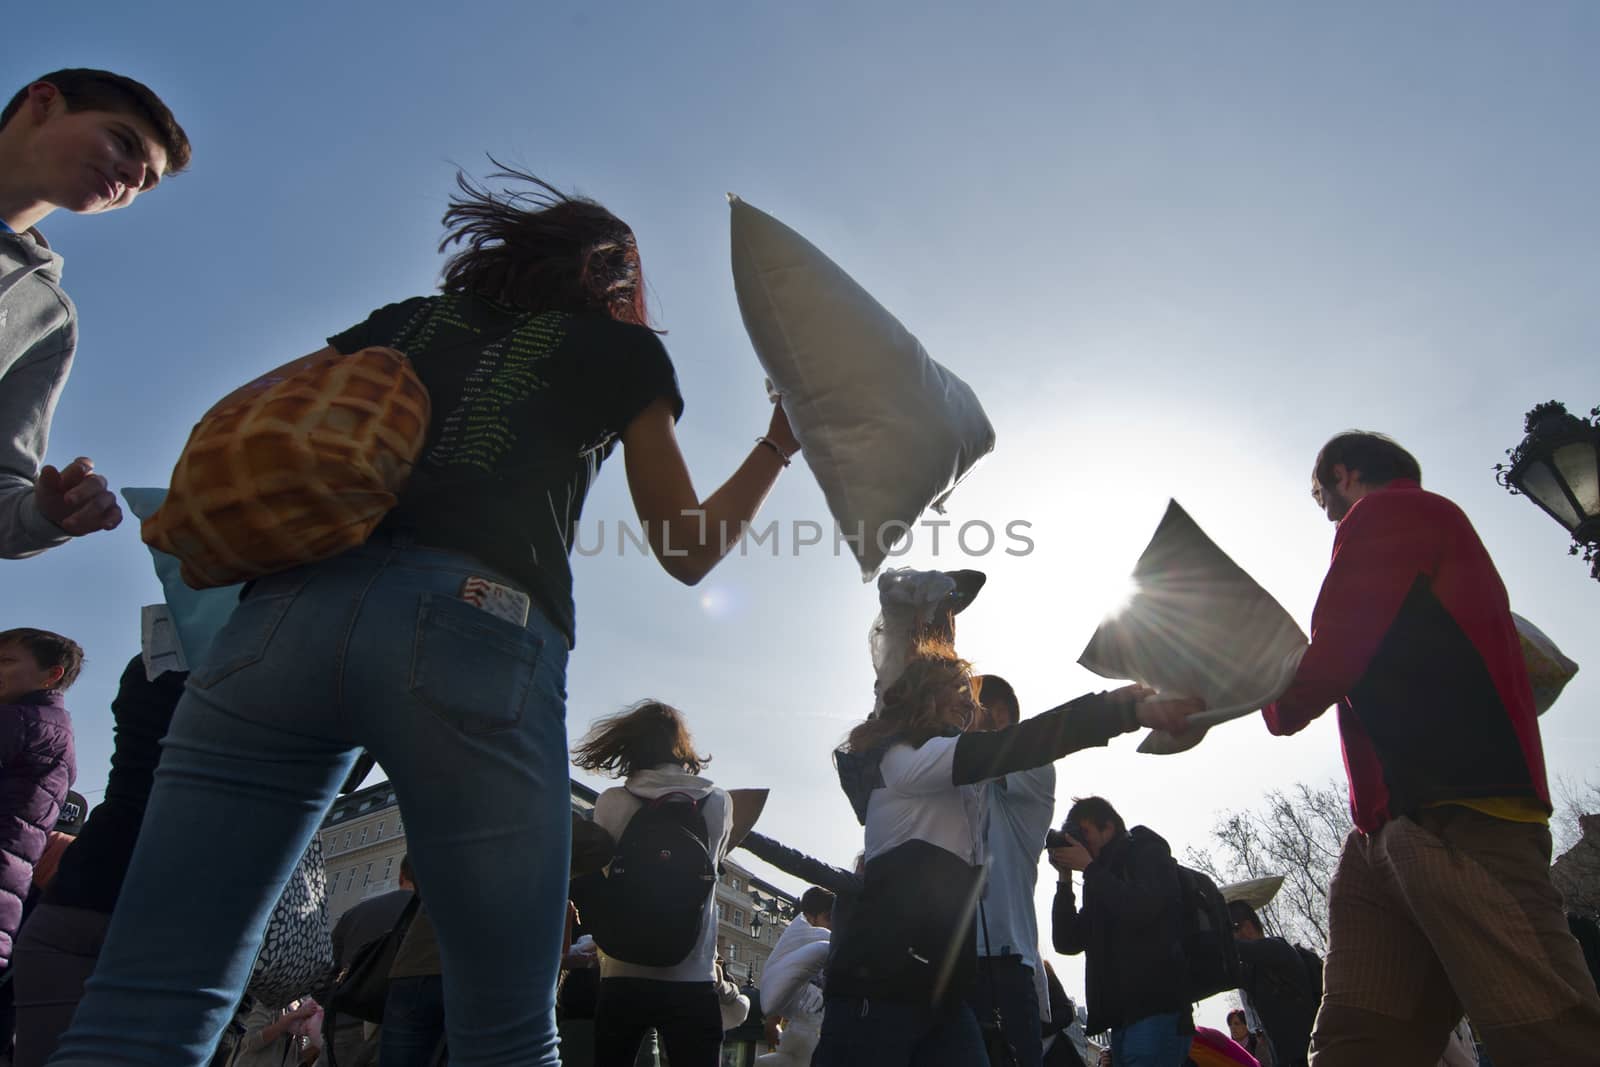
1170,713
1130,694
77,499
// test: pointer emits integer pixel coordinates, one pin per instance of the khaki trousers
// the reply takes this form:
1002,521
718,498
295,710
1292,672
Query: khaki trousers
1452,912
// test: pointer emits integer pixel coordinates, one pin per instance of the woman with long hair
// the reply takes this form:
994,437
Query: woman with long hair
901,968
649,747
440,646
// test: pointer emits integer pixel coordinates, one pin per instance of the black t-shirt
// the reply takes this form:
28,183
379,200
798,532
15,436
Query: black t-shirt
526,407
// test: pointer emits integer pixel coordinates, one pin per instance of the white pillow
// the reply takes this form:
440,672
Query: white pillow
886,430
1197,626
1549,669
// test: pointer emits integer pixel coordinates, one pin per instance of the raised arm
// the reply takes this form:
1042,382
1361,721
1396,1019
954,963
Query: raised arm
1069,931
690,535
1083,723
807,868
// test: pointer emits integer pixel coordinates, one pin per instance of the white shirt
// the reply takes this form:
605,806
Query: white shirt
919,801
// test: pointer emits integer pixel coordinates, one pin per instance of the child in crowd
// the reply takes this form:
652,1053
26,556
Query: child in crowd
37,763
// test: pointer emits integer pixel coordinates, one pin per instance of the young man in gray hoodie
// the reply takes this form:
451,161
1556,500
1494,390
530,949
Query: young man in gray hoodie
87,141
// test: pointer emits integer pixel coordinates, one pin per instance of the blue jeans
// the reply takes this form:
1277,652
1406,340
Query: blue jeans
1006,986
413,1022
465,713
1154,1041
883,1033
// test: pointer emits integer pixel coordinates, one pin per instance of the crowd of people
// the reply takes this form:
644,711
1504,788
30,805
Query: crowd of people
439,646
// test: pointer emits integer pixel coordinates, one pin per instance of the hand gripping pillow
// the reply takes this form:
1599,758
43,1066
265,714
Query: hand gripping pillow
886,430
297,468
1197,626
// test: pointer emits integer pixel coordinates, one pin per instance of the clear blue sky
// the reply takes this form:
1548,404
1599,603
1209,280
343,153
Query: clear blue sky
1173,247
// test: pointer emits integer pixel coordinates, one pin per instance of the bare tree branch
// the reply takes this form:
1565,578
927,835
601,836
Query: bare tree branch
1298,834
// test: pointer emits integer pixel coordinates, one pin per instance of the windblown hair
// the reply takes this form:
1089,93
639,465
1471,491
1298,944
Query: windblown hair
917,705
48,650
539,249
83,89
1377,458
646,735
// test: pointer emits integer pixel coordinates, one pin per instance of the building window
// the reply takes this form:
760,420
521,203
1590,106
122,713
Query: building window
399,826
364,834
722,911
347,834
738,919
733,951
380,829
388,868
366,879
733,883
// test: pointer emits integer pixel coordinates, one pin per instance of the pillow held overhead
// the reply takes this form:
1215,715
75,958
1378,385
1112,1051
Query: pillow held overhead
886,430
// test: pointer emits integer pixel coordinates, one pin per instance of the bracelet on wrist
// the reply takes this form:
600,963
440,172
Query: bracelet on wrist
783,457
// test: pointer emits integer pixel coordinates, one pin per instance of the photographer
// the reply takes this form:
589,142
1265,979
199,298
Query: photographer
1129,927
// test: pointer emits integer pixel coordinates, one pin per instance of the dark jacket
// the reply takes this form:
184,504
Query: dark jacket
844,885
1412,636
1284,994
92,870
1129,929
37,766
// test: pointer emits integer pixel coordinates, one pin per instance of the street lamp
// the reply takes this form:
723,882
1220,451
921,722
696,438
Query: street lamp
1557,466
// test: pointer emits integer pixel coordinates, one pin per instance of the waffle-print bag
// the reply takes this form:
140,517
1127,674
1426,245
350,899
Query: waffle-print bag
301,465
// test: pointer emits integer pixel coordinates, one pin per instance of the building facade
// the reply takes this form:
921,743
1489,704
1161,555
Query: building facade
364,839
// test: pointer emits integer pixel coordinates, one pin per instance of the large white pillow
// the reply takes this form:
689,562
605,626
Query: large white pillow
1197,626
1549,669
887,431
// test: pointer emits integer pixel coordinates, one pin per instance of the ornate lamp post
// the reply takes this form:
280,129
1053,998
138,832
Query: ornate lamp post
1557,466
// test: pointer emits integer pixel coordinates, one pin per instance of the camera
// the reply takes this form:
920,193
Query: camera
1070,832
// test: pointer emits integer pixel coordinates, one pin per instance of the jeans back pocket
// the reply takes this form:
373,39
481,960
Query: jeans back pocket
471,668
244,638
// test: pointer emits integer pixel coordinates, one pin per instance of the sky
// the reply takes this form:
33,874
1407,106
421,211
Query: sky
1173,248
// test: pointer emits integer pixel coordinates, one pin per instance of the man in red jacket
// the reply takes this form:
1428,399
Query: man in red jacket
1442,902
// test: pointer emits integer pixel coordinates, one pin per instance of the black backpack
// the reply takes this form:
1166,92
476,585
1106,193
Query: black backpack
1313,966
1210,959
646,907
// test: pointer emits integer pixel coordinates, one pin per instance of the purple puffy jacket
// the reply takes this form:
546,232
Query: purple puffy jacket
37,767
